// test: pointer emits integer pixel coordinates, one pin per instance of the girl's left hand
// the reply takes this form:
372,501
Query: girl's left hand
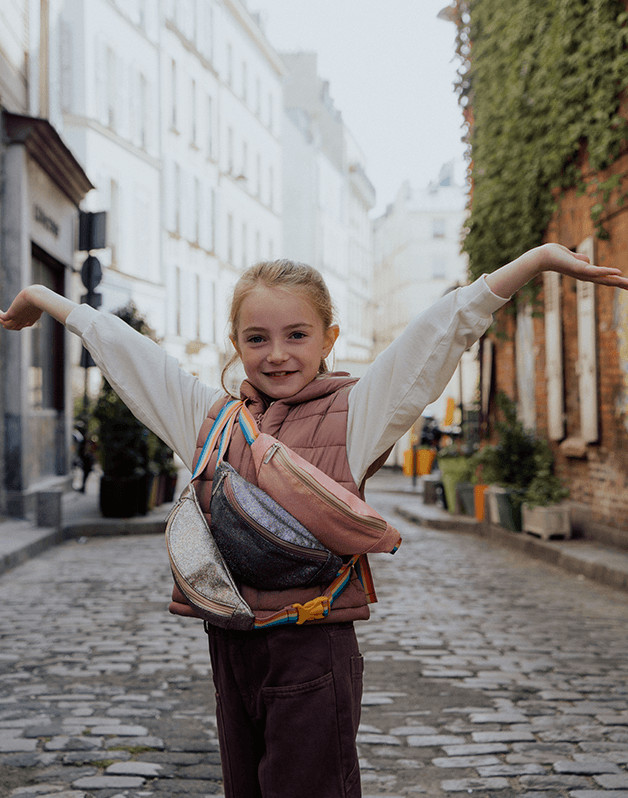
21,313
558,258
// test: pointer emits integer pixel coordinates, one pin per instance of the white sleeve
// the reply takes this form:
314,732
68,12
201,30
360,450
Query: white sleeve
413,371
164,397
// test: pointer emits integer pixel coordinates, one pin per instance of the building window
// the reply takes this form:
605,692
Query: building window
197,210
177,198
439,271
230,150
143,121
438,228
112,97
173,95
210,127
245,159
197,305
212,216
230,238
258,96
245,253
193,112
271,113
271,187
245,81
113,221
177,300
230,65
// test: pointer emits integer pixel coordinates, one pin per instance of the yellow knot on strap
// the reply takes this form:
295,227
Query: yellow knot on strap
313,610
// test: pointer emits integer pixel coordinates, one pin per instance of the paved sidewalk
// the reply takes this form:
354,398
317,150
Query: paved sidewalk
20,540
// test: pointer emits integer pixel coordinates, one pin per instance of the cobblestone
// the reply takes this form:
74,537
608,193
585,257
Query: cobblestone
487,673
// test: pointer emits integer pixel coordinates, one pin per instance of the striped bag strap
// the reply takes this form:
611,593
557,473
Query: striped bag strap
219,434
247,424
314,610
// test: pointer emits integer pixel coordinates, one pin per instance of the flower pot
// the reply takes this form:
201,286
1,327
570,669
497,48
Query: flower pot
421,461
465,497
425,461
547,522
122,497
479,501
453,470
509,510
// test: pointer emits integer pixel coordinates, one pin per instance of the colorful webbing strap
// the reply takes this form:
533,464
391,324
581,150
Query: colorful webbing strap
248,425
227,414
314,610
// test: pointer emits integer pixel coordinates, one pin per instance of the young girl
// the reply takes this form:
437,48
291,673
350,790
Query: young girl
288,698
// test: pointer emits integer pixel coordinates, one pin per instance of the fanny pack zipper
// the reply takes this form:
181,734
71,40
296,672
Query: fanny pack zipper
314,554
199,599
325,495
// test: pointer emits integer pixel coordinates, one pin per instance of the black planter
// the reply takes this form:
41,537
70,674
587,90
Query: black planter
465,496
122,497
509,509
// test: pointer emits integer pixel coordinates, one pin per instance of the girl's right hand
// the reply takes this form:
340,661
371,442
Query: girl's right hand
21,313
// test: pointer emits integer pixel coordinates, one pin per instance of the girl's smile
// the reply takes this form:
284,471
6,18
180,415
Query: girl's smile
281,340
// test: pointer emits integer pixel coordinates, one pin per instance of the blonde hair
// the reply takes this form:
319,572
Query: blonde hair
290,275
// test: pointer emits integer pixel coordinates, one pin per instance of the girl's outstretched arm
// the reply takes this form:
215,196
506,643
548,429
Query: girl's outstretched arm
30,303
551,257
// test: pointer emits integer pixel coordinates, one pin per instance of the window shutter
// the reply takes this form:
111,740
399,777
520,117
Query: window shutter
554,357
525,358
586,365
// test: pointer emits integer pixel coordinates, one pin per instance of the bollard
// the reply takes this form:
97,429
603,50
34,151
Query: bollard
49,508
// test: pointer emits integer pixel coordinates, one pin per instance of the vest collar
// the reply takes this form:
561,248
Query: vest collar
323,385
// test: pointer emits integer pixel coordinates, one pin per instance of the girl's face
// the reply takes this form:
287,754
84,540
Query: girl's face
281,340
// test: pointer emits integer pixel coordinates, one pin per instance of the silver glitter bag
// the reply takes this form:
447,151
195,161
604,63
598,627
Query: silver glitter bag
199,569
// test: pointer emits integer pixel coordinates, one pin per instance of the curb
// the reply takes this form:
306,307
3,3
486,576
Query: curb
599,563
23,541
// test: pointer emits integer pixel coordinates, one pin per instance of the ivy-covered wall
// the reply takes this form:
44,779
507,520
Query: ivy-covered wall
541,82
544,86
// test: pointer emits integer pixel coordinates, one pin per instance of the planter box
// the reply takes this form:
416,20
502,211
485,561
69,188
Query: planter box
465,498
547,522
509,512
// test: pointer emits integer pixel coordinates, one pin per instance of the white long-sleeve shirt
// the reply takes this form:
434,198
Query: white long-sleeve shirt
408,375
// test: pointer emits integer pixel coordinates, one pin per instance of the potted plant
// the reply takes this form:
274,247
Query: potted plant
544,512
162,465
455,467
510,464
123,455
122,445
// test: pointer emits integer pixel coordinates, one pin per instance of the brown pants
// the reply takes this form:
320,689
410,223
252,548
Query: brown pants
288,707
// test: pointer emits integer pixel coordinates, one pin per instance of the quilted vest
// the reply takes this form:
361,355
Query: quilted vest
312,423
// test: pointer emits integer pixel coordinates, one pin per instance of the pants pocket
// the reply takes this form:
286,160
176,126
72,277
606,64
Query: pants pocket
307,721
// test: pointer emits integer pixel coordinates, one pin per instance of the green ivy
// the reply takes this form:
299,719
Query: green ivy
542,80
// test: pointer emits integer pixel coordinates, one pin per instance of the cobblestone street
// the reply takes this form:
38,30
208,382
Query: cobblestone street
488,673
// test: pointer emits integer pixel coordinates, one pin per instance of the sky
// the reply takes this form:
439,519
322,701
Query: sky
391,66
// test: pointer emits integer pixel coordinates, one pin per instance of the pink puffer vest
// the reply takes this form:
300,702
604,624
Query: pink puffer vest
313,423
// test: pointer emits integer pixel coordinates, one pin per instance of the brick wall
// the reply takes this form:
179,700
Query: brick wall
598,480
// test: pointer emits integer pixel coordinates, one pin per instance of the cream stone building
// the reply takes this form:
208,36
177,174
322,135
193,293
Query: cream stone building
417,260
